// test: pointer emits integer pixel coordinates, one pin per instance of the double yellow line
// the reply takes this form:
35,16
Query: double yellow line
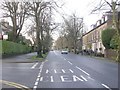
16,85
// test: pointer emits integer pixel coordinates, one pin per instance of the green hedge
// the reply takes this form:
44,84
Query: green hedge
107,36
9,48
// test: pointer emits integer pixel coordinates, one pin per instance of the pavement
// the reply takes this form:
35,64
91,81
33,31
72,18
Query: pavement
61,71
20,58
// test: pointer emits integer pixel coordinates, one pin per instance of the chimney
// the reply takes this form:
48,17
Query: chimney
104,19
94,26
100,22
119,15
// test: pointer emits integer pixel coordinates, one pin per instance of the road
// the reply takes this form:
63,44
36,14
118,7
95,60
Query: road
60,71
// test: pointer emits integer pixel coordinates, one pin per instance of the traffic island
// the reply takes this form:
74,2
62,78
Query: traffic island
35,58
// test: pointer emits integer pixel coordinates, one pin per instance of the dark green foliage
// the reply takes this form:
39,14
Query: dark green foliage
21,39
0,47
9,48
10,36
107,36
114,42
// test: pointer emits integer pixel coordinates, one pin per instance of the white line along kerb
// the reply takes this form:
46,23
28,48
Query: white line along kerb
69,62
83,78
82,70
106,86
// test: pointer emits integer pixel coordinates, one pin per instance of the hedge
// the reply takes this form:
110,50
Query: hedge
9,48
107,36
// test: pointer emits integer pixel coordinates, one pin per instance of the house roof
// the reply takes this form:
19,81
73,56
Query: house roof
95,28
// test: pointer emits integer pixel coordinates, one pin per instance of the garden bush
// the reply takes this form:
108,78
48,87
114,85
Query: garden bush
9,48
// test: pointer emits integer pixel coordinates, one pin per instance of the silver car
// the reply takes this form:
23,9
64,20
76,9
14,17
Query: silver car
64,52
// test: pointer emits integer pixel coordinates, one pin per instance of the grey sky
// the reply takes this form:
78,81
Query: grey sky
81,7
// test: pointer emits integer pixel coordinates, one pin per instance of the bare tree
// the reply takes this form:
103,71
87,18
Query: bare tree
31,33
60,43
70,33
73,30
48,27
38,10
113,5
17,11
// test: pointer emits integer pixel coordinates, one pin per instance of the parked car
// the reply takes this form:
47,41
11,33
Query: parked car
64,52
51,50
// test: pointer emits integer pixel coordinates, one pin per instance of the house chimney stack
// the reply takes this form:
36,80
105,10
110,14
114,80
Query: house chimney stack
100,22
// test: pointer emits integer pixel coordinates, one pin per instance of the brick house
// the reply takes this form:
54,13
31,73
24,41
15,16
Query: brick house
4,29
92,39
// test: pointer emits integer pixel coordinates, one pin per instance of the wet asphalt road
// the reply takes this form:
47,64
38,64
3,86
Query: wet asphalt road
62,71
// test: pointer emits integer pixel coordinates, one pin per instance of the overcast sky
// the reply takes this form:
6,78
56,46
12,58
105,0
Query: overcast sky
81,7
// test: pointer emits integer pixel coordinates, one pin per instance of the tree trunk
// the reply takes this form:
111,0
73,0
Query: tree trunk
118,59
39,45
75,47
44,50
14,39
118,56
116,21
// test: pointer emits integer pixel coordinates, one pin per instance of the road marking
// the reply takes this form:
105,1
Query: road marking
69,62
35,87
55,71
82,70
91,78
106,86
46,60
83,78
65,79
62,79
64,58
40,71
39,74
10,84
47,71
55,53
51,78
75,78
63,70
41,79
37,79
71,71
41,66
36,83
34,65
22,87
